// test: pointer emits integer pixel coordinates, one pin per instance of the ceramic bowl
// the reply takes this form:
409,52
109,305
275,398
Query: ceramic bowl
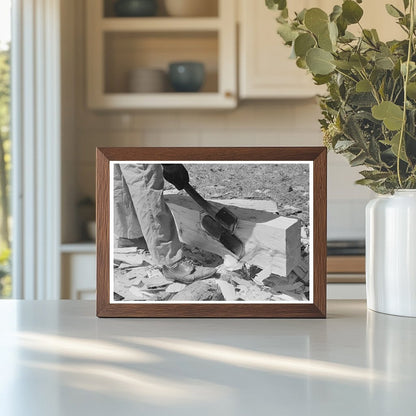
191,8
186,76
147,80
135,8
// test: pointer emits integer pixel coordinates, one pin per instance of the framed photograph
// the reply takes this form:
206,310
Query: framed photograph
211,232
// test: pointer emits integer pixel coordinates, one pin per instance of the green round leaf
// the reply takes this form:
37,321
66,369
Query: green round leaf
342,25
358,61
336,12
411,90
316,20
394,143
393,11
328,38
324,41
322,79
287,33
319,61
391,114
384,62
301,63
303,43
351,11
363,86
344,65
276,4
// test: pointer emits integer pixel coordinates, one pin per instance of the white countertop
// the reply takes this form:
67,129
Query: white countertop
57,358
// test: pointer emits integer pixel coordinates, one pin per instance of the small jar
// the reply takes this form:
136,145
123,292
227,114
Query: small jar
135,8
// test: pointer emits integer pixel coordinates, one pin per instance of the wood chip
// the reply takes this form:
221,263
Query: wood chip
281,298
175,287
133,259
125,266
288,288
240,281
227,290
156,279
230,264
137,273
254,294
140,294
125,250
263,275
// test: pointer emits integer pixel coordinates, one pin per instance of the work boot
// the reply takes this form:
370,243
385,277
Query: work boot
185,272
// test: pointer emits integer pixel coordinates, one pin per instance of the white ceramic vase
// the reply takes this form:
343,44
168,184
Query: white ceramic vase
391,253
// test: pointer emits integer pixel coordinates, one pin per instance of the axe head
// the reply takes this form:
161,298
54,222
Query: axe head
224,236
227,219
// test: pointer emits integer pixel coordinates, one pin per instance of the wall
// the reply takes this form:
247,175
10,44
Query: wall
254,123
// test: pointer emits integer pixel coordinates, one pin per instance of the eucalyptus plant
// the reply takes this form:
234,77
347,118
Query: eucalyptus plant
369,111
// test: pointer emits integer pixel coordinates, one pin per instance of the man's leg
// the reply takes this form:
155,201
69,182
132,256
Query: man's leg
127,231
145,186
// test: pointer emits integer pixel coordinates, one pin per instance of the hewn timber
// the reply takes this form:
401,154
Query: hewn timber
270,241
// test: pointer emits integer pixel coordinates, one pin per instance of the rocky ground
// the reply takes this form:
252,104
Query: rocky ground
137,279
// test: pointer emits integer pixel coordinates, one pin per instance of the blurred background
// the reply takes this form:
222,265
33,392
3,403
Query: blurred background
146,73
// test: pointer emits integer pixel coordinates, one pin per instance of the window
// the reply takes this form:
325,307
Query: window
5,145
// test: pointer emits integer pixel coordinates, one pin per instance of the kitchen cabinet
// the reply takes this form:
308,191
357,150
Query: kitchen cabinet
118,45
79,275
265,70
78,263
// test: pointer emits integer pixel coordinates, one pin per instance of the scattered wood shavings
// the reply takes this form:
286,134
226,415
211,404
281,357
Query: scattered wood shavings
263,275
125,250
156,279
175,287
140,294
133,259
227,290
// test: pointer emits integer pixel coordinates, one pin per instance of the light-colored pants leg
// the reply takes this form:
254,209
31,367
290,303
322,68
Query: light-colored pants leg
145,189
126,224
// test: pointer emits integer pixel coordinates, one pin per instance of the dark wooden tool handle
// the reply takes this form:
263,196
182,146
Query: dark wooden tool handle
205,205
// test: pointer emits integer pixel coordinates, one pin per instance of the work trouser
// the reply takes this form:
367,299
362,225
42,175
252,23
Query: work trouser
140,210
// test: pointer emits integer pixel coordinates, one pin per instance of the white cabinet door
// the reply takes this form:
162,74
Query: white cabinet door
265,68
78,276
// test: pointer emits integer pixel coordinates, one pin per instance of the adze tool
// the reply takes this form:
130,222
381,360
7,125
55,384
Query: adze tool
219,223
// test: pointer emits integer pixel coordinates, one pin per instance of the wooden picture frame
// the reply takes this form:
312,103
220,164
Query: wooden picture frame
313,307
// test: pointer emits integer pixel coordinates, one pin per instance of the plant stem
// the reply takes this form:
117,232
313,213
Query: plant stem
346,75
406,80
373,88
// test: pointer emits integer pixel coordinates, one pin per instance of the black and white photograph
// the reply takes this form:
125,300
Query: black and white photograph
211,232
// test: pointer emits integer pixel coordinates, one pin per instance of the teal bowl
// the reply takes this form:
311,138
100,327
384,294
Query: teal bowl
186,76
135,8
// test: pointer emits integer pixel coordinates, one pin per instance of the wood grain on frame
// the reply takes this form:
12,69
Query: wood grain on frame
317,309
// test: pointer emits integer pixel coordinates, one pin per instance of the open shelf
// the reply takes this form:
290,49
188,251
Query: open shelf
126,51
119,45
87,247
210,6
167,100
160,24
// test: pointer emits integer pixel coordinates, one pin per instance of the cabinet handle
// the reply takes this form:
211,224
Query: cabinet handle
229,94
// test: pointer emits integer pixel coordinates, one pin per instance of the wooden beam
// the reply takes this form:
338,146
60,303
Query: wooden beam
270,242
